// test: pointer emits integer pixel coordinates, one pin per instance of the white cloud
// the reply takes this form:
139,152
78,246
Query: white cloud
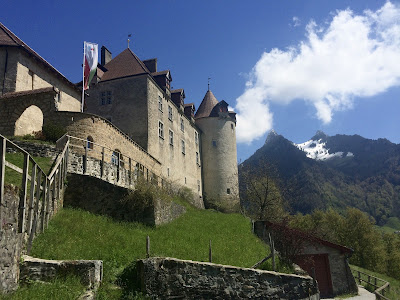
352,57
295,22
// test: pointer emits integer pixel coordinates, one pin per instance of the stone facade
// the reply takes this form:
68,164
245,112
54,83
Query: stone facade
218,144
25,73
135,109
169,278
42,150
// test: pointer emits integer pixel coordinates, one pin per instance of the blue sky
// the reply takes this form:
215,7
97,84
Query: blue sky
294,66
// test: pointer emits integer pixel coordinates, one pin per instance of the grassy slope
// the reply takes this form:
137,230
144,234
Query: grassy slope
394,283
13,177
76,234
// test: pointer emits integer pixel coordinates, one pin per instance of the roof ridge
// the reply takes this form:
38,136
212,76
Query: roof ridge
139,61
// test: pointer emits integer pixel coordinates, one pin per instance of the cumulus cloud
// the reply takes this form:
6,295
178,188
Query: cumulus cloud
350,58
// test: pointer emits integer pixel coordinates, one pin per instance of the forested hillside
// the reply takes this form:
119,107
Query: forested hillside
337,172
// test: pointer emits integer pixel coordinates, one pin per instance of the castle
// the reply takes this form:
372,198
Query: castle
129,100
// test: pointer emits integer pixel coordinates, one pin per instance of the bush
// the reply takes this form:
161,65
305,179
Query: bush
53,132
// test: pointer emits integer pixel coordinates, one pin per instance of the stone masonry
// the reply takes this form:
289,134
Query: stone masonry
169,278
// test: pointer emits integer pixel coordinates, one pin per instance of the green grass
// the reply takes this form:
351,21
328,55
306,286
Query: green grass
392,225
66,288
15,178
394,293
77,234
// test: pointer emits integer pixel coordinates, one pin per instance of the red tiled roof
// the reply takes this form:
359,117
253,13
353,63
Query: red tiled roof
124,64
7,38
206,106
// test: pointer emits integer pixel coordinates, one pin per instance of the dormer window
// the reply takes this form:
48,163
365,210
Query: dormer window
182,125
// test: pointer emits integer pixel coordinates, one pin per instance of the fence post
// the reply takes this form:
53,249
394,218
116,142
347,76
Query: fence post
210,253
130,171
31,198
43,204
3,143
48,188
22,202
359,277
85,161
102,164
147,246
272,246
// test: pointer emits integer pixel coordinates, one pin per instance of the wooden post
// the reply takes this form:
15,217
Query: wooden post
147,246
36,212
130,171
62,174
22,203
102,164
118,166
42,221
48,188
59,182
209,252
31,198
3,143
85,161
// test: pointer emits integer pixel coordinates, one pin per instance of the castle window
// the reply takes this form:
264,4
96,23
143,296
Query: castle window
182,125
196,137
185,180
168,172
89,143
170,113
232,127
114,158
197,158
109,97
183,147
228,191
160,103
214,143
160,129
198,185
103,98
171,137
31,74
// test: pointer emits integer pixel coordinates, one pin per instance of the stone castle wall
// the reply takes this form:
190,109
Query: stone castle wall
169,278
103,133
24,73
218,143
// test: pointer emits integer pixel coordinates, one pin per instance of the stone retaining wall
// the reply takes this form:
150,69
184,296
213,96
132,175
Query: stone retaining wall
42,150
11,242
114,201
170,278
89,271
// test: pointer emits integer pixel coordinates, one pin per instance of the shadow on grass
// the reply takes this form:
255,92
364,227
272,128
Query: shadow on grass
129,282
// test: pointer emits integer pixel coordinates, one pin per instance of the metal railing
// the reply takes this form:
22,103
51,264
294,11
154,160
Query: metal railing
39,200
380,289
104,154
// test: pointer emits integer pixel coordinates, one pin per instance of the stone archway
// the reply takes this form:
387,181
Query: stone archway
29,121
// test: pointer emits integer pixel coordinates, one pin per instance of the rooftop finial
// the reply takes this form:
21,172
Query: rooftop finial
209,83
129,35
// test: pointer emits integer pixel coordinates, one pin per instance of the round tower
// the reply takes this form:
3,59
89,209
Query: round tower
218,152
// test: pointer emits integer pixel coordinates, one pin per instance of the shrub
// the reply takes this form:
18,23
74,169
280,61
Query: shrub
53,132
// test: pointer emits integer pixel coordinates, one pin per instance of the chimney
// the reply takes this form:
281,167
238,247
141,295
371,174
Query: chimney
106,55
151,64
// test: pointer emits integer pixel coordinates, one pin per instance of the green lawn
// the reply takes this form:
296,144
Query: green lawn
394,293
77,234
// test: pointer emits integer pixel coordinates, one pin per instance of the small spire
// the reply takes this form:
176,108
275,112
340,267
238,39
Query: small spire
129,35
209,83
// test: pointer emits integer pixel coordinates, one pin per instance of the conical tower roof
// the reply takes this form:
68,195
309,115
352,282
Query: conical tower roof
206,106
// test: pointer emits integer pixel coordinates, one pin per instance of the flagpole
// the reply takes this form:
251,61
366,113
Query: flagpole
83,76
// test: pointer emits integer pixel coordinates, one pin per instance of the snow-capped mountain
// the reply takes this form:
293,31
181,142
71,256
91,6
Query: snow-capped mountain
334,171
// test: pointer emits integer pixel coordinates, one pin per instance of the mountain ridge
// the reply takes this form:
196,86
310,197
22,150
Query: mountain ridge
348,170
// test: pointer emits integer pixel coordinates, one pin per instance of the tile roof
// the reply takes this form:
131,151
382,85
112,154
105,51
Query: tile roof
206,106
7,38
124,64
